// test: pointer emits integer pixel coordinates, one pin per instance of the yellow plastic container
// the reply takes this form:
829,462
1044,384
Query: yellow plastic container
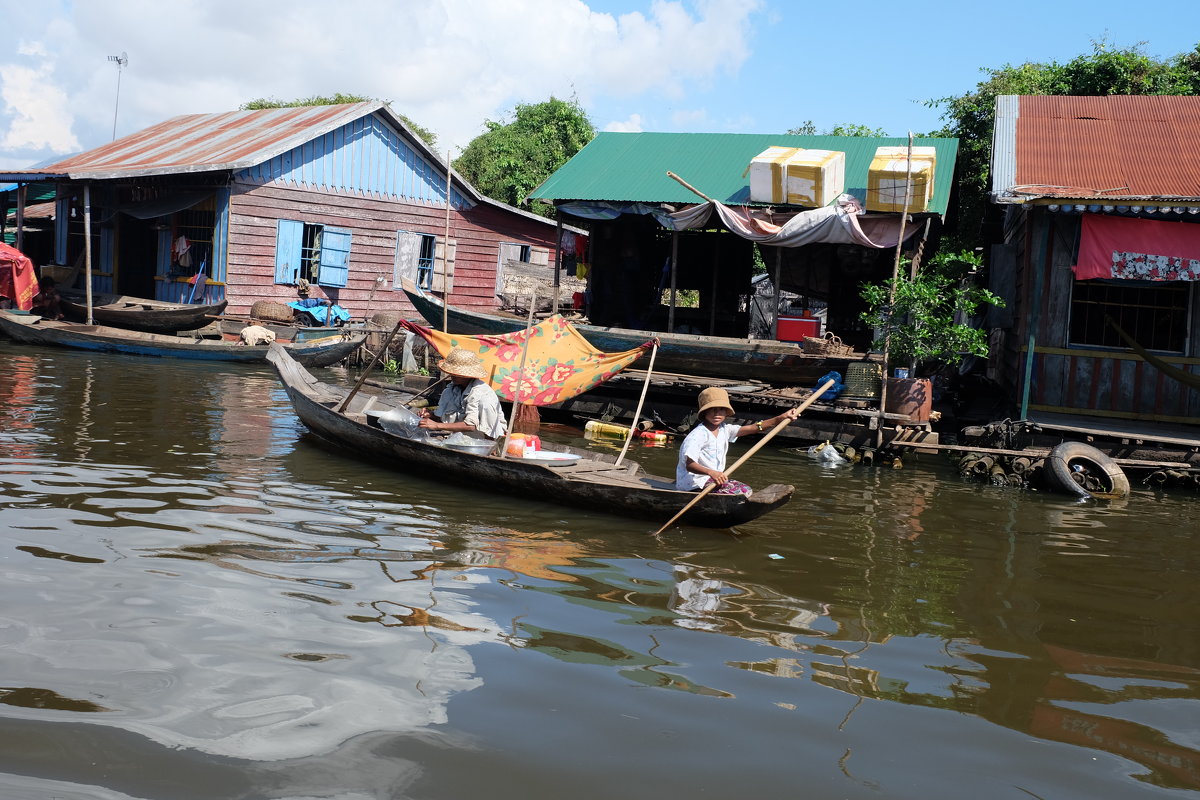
797,176
886,179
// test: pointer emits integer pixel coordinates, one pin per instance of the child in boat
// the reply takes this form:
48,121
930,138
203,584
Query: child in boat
702,454
468,404
47,302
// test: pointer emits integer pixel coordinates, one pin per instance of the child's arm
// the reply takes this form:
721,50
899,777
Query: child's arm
767,424
695,466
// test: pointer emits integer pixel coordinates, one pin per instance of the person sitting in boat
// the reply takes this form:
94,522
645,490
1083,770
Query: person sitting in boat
702,454
46,302
468,404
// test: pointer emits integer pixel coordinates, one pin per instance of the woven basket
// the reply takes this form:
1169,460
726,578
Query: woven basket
385,319
828,345
863,380
271,311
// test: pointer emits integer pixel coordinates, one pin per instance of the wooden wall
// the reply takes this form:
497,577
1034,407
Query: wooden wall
478,232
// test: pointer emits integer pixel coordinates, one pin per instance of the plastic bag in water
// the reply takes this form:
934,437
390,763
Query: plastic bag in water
827,454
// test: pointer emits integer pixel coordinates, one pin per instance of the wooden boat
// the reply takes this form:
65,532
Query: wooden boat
688,354
33,329
592,481
137,313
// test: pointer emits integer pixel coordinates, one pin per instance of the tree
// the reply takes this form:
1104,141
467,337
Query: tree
428,136
849,129
1105,71
508,161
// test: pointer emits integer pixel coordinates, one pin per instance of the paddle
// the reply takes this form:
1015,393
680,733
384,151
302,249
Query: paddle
710,486
362,379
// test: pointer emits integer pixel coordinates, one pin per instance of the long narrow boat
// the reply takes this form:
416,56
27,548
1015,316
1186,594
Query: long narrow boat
580,478
33,329
138,313
688,354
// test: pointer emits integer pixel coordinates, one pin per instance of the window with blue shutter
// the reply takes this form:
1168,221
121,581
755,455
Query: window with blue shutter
334,257
289,242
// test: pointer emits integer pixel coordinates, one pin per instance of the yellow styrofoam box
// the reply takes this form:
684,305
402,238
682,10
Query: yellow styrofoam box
797,176
886,179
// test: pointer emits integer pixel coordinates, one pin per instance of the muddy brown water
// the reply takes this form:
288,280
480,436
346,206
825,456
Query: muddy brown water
199,601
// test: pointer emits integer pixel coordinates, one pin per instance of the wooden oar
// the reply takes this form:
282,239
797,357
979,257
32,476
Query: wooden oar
710,486
638,411
369,367
425,391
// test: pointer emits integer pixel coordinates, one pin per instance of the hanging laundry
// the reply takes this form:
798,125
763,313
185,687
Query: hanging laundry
181,252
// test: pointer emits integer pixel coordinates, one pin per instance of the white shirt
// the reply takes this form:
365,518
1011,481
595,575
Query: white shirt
707,448
476,404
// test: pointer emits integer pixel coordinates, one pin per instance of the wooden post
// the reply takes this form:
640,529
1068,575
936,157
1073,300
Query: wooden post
674,272
558,233
446,254
776,294
87,247
887,334
520,384
20,217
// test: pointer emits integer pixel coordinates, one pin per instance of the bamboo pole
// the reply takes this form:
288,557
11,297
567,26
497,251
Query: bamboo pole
746,457
520,384
446,254
558,234
367,370
887,332
637,412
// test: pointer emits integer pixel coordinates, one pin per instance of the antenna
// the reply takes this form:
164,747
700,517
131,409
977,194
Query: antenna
120,61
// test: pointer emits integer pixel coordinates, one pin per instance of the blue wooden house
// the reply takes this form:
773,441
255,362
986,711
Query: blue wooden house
346,197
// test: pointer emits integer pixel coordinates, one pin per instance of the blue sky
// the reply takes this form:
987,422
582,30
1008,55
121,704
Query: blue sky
754,66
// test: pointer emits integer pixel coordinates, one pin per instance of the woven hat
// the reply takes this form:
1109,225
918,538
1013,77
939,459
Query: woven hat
462,363
714,398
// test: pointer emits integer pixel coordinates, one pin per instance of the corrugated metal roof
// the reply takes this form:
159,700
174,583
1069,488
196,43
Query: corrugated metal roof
1114,147
211,142
632,167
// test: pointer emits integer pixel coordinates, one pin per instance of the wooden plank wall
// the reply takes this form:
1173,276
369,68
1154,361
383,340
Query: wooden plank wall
478,231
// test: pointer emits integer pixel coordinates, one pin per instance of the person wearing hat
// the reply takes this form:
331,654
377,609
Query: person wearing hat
702,454
468,404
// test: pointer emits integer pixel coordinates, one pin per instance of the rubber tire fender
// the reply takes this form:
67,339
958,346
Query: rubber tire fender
1061,459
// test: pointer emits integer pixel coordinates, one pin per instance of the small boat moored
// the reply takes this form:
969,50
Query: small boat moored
137,313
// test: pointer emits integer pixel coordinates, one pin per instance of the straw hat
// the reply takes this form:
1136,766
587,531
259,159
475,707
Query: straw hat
714,398
462,363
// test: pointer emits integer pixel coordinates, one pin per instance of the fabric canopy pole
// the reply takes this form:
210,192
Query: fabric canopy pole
87,246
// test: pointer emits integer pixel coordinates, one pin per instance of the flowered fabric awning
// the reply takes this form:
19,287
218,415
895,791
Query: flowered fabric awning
1131,248
17,279
560,363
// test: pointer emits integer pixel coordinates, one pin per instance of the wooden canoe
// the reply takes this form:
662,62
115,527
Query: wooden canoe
592,482
137,313
712,356
33,329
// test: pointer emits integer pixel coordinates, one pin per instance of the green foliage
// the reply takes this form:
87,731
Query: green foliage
335,99
391,366
509,161
1105,71
917,318
849,129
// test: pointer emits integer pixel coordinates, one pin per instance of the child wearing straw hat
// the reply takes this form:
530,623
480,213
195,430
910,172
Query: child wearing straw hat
468,404
702,454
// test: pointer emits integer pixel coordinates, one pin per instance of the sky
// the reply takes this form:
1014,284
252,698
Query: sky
742,66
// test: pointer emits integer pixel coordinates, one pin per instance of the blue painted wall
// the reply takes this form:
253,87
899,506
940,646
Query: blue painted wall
365,156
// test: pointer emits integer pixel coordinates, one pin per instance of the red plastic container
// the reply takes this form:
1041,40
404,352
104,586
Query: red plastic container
794,329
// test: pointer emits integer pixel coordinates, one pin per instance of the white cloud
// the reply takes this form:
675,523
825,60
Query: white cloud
633,124
447,64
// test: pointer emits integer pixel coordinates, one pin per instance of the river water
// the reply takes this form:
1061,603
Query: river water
199,601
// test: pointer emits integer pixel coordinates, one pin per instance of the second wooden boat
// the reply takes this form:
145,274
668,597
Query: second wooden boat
580,479
137,313
713,356
33,329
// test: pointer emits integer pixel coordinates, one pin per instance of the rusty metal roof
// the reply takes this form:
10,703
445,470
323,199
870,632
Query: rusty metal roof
210,142
1120,147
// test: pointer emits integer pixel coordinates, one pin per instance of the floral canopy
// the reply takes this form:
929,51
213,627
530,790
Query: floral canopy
559,364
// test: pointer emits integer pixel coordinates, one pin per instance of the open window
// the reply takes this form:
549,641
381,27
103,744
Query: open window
1154,313
318,253
420,258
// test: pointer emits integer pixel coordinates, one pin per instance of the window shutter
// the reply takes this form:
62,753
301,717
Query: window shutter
443,268
539,256
408,253
288,242
335,257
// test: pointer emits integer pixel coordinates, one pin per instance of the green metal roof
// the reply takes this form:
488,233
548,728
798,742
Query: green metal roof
632,167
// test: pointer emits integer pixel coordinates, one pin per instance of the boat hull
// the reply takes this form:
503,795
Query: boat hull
712,356
598,484
99,338
139,314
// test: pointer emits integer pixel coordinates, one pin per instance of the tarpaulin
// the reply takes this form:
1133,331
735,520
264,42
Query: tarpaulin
1138,249
559,364
17,280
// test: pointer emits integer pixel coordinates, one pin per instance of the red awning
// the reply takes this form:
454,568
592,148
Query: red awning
1138,249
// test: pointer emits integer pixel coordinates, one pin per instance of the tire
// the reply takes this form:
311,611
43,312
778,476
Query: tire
1061,473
